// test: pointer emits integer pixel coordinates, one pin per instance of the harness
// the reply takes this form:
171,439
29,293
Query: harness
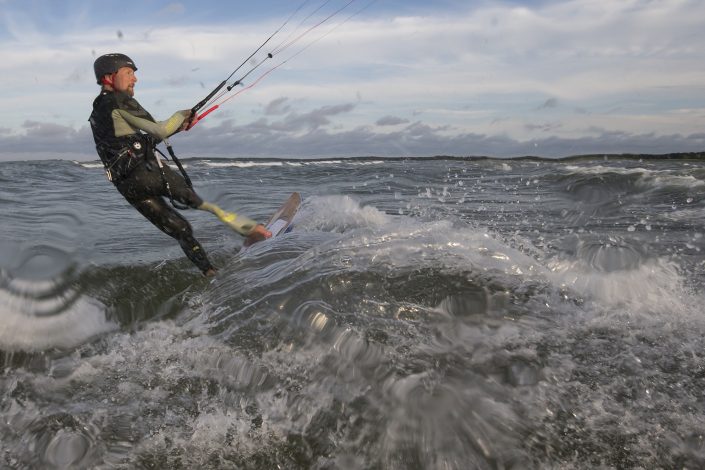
174,203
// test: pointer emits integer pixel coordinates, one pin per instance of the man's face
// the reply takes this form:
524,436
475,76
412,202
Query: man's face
125,80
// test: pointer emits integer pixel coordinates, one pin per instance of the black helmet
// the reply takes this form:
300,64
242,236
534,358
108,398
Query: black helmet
110,63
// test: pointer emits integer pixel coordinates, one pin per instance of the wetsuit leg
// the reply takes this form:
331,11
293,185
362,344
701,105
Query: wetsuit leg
157,211
180,191
150,182
146,180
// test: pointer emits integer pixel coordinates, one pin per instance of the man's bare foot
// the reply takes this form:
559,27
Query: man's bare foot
258,234
210,272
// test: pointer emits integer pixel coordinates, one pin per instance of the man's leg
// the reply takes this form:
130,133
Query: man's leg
157,211
187,196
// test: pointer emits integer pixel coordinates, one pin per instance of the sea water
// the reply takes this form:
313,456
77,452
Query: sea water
424,313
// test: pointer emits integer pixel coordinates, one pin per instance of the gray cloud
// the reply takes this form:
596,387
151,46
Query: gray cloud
549,103
263,139
178,81
277,107
313,120
46,140
545,127
391,121
310,135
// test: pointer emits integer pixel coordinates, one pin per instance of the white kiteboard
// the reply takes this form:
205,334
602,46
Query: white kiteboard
280,222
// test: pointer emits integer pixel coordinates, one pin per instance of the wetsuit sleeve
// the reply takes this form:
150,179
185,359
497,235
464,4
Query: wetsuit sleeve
127,123
243,225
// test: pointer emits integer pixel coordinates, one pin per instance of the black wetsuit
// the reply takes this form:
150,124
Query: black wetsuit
132,166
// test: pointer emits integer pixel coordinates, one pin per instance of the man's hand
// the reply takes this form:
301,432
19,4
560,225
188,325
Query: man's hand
189,116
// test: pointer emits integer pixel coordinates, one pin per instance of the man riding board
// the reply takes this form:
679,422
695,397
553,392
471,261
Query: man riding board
125,135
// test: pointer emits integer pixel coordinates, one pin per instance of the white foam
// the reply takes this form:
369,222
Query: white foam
665,180
22,330
264,164
90,165
242,164
599,170
375,240
641,287
338,214
648,178
655,287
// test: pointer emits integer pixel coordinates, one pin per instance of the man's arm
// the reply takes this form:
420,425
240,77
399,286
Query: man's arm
127,123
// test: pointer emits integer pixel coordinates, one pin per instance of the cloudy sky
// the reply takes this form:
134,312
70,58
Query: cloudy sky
387,77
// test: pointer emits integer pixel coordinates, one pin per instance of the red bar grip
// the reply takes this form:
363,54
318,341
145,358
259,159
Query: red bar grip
201,116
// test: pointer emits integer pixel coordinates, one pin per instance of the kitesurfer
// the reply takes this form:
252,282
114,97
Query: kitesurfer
125,135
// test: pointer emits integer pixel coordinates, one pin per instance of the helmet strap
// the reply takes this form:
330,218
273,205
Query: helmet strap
107,80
